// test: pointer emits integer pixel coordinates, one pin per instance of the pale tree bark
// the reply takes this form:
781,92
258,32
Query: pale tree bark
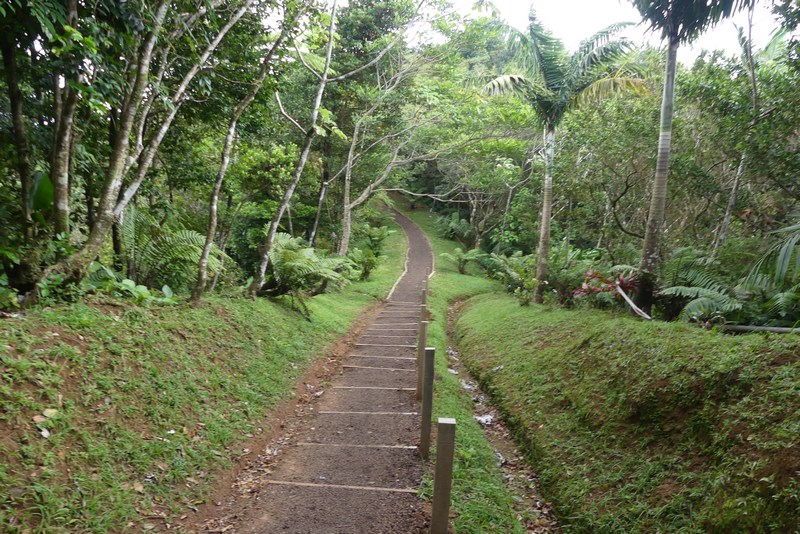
323,190
543,249
110,207
74,267
148,155
348,206
261,272
227,149
655,219
8,49
724,228
59,169
353,156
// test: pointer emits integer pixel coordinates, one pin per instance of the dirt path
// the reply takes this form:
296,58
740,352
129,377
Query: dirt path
347,463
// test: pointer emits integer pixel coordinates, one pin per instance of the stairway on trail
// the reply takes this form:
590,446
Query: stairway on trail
355,467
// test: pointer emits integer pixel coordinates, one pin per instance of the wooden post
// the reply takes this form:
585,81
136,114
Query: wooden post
443,476
423,339
424,293
427,403
423,312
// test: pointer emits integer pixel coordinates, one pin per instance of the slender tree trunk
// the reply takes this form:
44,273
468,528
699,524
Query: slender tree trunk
655,219
724,227
225,235
543,249
8,48
116,243
227,149
347,229
347,208
260,275
148,155
751,67
59,169
323,189
59,172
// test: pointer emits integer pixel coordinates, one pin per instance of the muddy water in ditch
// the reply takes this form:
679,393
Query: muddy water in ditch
534,512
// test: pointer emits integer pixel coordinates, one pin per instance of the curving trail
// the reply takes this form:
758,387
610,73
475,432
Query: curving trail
353,466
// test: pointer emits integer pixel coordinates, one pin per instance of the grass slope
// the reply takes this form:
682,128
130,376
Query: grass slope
144,405
480,499
645,427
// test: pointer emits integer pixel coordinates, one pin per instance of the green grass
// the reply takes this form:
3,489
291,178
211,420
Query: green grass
480,500
150,402
644,427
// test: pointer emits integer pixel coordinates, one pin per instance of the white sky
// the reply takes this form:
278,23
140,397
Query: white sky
574,20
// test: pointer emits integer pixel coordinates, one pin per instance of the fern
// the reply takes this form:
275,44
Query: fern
298,269
159,255
780,265
461,258
700,296
454,227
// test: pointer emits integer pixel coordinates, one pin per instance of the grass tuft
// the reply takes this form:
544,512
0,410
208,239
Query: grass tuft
644,427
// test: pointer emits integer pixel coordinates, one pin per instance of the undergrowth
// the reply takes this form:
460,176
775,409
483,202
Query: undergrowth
114,415
644,427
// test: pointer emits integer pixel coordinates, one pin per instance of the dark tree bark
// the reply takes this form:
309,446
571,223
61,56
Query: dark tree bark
8,48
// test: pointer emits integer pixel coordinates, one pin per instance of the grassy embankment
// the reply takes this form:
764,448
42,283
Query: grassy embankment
142,407
638,427
480,500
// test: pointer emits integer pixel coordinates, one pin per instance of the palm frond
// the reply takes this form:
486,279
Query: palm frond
538,54
686,20
781,262
607,87
786,302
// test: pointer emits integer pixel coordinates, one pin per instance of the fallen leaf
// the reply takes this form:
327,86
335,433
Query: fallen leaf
138,487
39,419
44,432
50,412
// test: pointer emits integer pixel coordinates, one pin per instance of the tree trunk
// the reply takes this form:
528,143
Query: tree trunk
347,229
8,48
543,249
655,219
227,149
258,279
116,243
149,154
751,71
323,189
74,267
59,169
225,235
724,227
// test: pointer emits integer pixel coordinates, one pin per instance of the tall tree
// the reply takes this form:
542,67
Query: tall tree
552,81
289,16
679,21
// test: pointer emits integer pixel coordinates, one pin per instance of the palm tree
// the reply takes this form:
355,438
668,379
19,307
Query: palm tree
678,21
552,81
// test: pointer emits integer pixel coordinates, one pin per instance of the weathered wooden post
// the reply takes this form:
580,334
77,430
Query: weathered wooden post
427,403
443,475
424,295
421,342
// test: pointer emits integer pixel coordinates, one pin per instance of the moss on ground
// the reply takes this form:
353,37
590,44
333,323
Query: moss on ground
645,427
